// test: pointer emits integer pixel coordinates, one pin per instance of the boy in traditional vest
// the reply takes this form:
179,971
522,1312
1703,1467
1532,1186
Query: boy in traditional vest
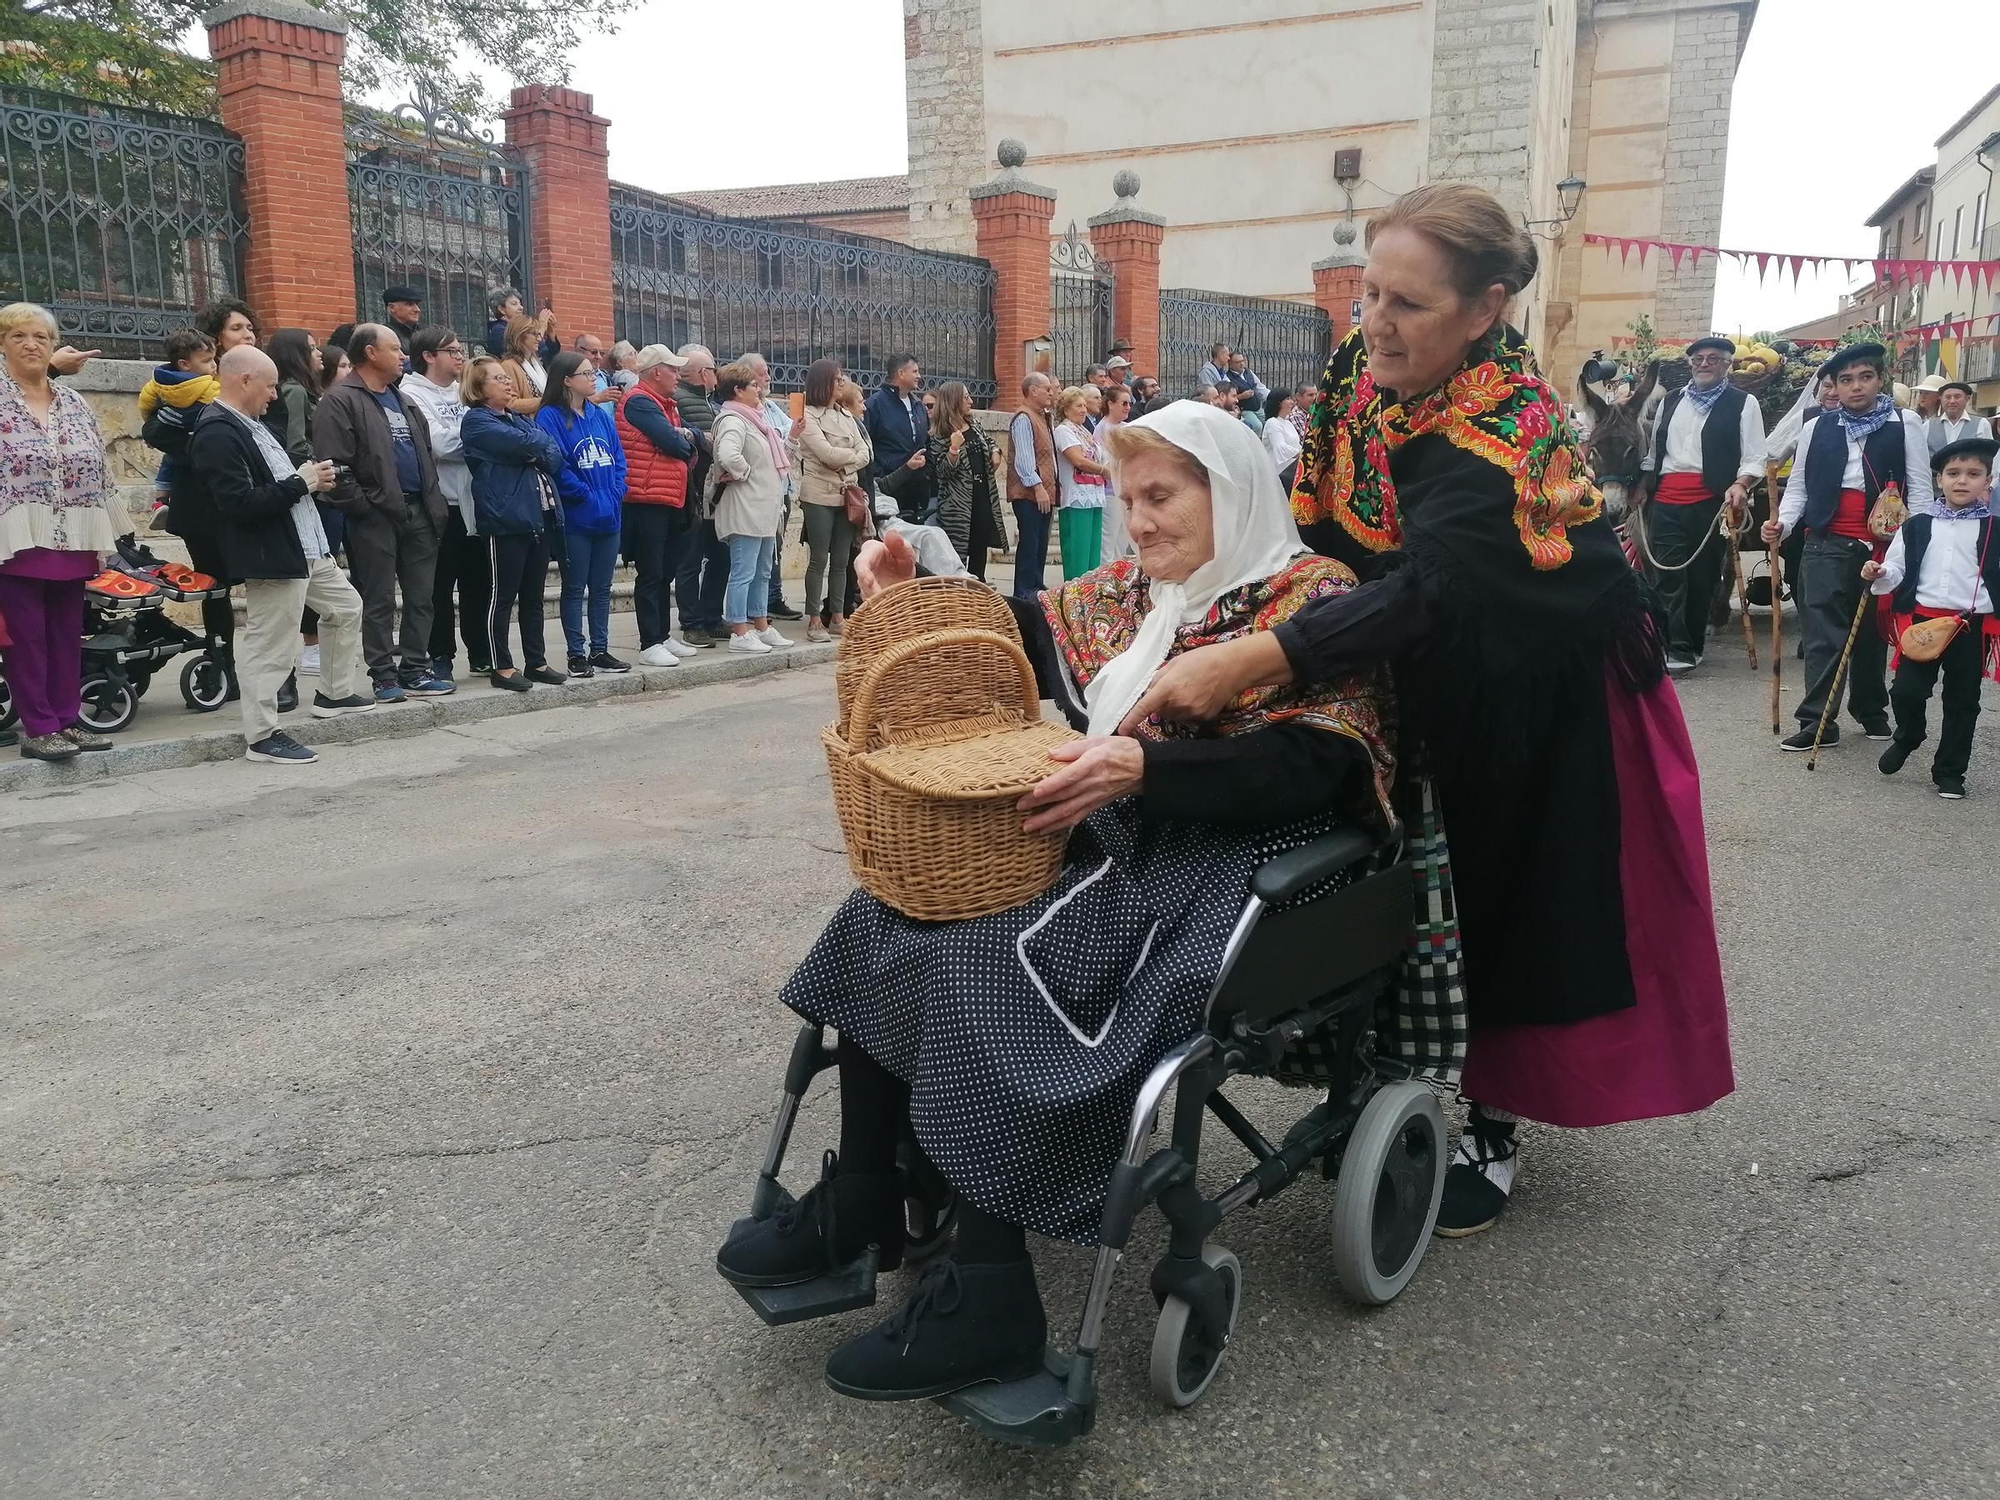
1941,566
1847,457
1708,448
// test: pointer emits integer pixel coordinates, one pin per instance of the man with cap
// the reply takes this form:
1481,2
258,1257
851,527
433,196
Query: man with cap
405,308
660,449
1847,457
1708,448
1119,370
1955,420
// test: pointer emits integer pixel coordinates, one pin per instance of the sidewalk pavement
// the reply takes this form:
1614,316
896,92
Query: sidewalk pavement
166,734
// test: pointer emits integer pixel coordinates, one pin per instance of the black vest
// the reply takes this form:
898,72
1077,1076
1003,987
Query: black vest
1916,538
1721,440
1883,459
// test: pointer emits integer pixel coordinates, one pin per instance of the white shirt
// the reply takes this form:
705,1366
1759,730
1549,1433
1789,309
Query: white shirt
1072,495
1916,464
1683,455
1282,441
305,515
1950,578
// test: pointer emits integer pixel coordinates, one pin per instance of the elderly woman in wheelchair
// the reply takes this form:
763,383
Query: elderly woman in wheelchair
1237,898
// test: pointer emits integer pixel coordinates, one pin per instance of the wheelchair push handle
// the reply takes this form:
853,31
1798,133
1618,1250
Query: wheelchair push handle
1279,879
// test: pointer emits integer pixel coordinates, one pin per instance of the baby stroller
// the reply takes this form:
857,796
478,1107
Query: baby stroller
128,638
1315,947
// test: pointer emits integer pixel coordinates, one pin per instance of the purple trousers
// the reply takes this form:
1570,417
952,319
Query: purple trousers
44,665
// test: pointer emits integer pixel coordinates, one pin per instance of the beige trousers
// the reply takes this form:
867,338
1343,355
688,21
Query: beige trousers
267,647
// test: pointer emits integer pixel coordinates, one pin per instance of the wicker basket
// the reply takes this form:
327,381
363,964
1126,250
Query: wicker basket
904,611
926,790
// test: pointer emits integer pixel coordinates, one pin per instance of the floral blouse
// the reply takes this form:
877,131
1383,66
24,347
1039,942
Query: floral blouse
54,488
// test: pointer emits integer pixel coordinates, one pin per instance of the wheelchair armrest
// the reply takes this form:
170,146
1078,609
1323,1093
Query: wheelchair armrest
1279,879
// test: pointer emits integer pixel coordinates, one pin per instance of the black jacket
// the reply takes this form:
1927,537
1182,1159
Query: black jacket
252,510
168,429
890,430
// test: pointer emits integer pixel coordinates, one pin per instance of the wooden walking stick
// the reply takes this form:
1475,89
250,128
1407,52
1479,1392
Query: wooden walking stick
1776,569
1839,673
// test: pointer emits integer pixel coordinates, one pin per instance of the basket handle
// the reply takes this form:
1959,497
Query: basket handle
861,716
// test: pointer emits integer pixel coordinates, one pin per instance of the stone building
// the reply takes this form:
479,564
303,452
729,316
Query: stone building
1233,120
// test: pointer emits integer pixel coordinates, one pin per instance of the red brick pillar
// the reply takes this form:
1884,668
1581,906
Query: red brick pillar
1011,217
1129,238
1337,289
569,205
278,81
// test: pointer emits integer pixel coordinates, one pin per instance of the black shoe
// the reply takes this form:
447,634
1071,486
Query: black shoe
481,669
695,635
1951,788
963,1325
779,610
280,749
579,666
1893,758
547,674
1481,1176
830,1226
604,661
513,682
443,668
288,694
1803,740
1876,729
334,708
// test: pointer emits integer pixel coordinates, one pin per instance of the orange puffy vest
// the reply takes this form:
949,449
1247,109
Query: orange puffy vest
651,477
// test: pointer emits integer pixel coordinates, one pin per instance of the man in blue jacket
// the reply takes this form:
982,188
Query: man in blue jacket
900,430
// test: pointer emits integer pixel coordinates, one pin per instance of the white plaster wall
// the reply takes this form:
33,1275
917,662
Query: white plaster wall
1955,197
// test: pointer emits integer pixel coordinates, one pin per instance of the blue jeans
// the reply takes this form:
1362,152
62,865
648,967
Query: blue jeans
749,577
587,561
1032,550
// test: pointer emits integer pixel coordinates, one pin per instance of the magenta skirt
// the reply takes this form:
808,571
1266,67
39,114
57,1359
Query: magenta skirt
1669,1053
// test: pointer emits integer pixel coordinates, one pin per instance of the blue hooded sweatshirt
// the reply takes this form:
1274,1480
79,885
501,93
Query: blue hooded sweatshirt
592,478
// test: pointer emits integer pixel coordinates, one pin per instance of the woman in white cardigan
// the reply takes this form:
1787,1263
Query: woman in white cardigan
746,497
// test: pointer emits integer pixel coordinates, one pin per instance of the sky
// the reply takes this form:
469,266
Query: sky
1802,180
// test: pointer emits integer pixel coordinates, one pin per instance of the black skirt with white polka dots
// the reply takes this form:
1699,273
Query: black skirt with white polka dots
1024,1036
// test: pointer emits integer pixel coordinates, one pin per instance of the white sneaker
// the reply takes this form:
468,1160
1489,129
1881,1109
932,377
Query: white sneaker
770,637
660,655
680,647
309,662
748,644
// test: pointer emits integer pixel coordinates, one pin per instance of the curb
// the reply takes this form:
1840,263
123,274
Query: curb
397,720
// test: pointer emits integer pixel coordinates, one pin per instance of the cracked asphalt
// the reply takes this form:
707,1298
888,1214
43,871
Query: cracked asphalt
366,1130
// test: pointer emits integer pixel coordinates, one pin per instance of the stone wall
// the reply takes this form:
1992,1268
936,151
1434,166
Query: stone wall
1482,95
1707,45
111,389
944,69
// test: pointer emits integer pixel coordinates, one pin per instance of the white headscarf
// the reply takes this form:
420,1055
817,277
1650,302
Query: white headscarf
1254,538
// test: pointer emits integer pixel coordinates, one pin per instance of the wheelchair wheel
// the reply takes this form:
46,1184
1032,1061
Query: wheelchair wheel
204,685
107,707
1386,1201
1187,1352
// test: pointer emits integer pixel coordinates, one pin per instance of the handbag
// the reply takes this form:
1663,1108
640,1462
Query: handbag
1927,640
855,500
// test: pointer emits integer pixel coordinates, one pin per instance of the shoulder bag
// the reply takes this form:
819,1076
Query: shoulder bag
1927,640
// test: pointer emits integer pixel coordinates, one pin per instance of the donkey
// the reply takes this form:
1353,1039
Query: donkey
1617,439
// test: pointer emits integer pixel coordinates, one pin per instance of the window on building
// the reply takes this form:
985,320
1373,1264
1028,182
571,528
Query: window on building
1979,225
1957,224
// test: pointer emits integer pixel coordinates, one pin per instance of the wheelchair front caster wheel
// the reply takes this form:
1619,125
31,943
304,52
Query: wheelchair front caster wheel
1187,1351
1386,1201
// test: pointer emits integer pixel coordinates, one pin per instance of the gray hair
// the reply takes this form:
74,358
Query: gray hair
752,357
696,355
622,351
497,298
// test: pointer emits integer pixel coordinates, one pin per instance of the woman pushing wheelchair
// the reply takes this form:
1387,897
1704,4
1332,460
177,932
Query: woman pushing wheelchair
1014,1045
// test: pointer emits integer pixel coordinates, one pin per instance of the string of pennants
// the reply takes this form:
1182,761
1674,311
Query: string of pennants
1981,273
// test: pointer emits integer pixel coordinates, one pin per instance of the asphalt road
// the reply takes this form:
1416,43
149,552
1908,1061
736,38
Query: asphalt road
366,1130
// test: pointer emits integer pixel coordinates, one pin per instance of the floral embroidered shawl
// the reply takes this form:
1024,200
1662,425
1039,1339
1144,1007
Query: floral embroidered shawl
1094,618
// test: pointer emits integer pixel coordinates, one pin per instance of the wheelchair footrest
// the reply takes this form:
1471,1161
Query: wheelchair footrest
852,1286
1035,1412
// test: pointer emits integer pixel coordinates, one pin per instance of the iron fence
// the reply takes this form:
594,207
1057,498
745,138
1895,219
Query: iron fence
445,214
796,293
1286,343
1080,298
120,221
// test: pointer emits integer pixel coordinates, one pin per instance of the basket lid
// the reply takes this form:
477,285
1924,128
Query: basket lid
985,764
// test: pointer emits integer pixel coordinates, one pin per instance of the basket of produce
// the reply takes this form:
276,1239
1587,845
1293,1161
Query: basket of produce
926,775
916,607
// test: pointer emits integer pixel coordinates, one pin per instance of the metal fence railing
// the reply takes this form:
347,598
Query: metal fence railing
795,293
120,221
1286,343
1081,293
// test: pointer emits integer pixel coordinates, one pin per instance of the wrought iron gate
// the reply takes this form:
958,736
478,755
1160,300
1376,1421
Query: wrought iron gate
1286,343
443,211
1080,288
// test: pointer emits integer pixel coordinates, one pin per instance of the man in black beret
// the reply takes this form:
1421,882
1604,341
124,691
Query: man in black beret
405,308
1708,448
1847,457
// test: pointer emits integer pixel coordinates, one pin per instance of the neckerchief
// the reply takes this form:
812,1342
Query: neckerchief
1095,619
1704,401
1861,427
1979,510
1494,407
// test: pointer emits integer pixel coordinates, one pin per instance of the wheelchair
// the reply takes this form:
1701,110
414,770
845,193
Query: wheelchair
1304,968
